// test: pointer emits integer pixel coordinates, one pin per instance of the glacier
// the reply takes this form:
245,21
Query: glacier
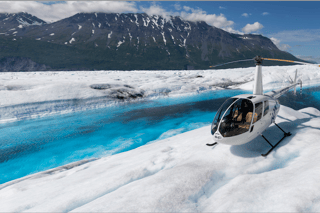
179,173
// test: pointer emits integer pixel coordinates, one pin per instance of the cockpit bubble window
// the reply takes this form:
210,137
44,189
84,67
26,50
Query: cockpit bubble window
220,113
237,118
266,107
258,112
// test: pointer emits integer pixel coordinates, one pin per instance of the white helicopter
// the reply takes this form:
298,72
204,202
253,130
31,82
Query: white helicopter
242,118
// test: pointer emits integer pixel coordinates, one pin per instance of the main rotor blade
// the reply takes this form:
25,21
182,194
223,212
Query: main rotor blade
231,62
298,62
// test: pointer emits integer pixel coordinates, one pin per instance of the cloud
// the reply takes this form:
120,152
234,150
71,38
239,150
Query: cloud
309,58
252,27
198,14
245,15
221,8
265,13
307,35
54,12
177,6
231,30
277,42
155,9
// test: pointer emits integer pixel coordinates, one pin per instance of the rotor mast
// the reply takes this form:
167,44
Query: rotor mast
257,87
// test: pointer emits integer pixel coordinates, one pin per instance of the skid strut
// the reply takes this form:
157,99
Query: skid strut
286,134
212,144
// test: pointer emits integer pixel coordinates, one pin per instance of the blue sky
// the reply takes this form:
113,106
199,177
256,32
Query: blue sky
292,25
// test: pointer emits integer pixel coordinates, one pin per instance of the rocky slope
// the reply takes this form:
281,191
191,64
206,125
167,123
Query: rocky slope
95,41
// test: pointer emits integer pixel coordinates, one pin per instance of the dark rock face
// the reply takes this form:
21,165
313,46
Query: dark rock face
88,41
15,64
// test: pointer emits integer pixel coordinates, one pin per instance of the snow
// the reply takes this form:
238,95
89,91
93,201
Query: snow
146,21
164,39
180,173
109,35
136,16
52,34
71,40
79,27
130,36
119,43
30,87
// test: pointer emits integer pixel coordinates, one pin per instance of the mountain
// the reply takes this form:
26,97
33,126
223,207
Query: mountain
11,22
109,41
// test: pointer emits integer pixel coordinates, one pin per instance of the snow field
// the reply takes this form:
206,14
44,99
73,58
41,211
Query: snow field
182,174
37,87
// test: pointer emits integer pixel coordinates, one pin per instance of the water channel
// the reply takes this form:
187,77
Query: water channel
33,145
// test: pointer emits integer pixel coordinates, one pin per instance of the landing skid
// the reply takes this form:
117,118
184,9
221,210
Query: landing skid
212,144
286,134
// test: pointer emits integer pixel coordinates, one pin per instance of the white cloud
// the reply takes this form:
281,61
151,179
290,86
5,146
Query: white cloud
220,7
231,30
265,13
177,6
277,42
66,9
60,10
155,9
245,15
309,58
198,14
252,27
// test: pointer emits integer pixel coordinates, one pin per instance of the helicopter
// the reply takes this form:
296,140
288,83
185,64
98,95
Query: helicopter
242,118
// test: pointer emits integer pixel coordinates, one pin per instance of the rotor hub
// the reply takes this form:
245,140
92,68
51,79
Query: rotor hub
258,60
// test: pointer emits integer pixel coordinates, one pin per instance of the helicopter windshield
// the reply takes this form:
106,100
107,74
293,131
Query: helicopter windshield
219,114
236,118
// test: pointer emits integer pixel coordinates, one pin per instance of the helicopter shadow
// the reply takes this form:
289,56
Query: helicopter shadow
259,146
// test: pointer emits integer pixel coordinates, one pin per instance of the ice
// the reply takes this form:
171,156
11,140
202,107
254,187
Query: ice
180,174
177,172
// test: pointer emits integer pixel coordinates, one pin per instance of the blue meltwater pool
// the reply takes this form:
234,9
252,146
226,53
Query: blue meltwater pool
30,146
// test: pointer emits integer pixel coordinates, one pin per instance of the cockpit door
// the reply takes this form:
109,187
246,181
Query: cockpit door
237,118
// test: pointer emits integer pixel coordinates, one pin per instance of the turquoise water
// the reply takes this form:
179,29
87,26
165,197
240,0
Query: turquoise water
30,146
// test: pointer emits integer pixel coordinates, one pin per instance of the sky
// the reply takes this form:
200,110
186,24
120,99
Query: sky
292,25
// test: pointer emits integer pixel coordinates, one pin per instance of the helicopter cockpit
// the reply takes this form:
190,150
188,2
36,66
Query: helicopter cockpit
234,117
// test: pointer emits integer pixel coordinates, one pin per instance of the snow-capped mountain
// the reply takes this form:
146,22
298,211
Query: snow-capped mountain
136,41
11,23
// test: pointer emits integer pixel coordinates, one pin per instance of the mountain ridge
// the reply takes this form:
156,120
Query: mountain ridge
131,41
